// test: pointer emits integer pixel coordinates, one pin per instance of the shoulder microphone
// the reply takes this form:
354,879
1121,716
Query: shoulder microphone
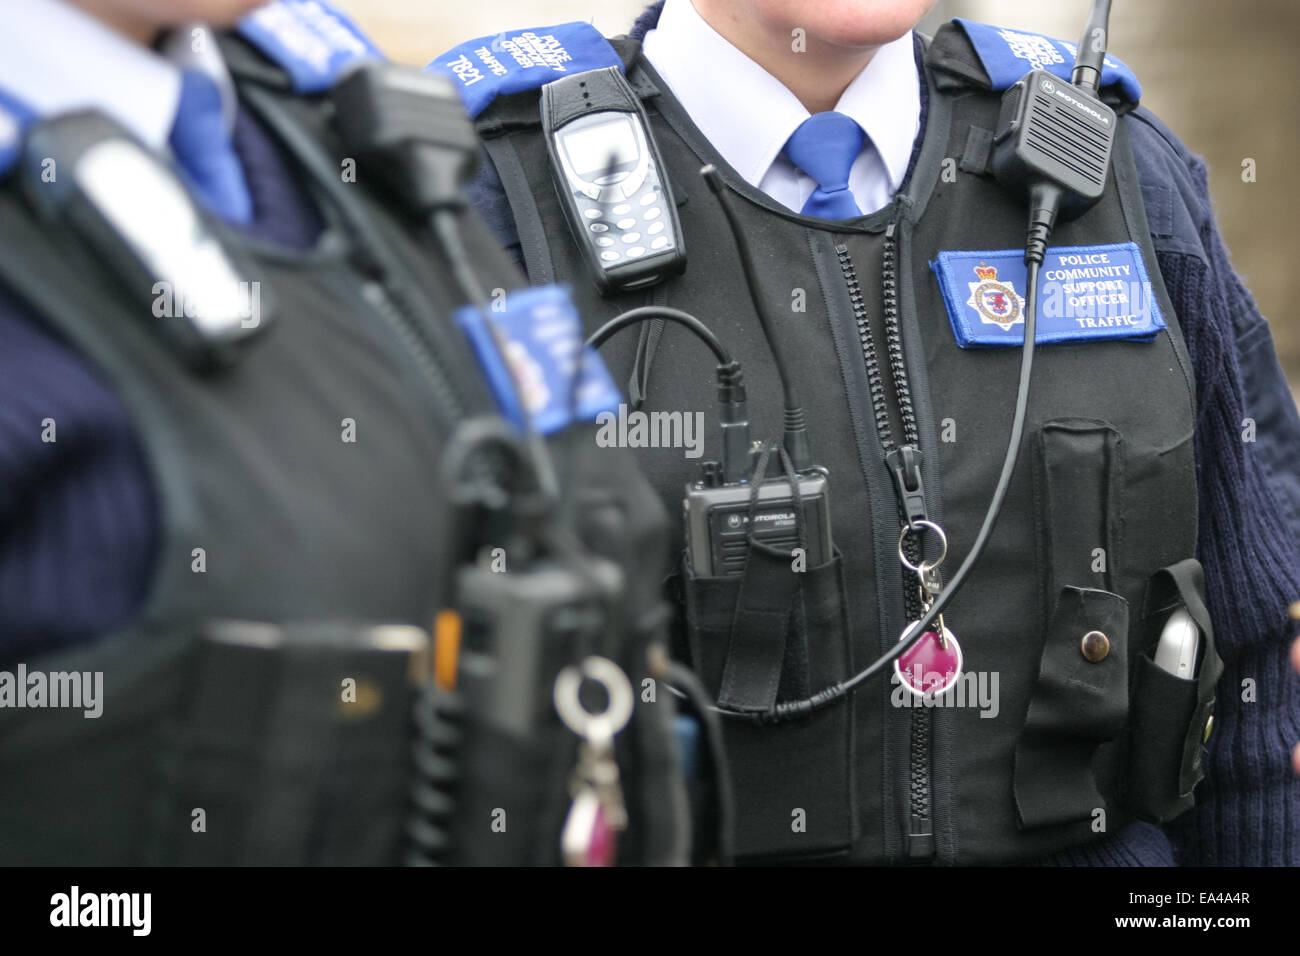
1053,140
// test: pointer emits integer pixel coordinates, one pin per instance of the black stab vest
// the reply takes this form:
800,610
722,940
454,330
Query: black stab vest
296,524
1106,463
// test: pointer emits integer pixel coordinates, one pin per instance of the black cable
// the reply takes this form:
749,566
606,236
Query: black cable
683,682
734,416
647,312
439,723
1091,56
795,423
714,181
446,227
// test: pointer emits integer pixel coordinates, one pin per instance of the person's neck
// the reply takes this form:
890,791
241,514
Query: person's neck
140,29
817,73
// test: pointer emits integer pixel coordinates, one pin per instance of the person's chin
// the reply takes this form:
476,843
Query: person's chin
857,24
216,13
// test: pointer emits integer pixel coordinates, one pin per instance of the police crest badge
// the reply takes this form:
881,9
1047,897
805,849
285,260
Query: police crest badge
997,302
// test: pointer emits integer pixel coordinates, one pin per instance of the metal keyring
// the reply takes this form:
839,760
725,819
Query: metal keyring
617,688
924,565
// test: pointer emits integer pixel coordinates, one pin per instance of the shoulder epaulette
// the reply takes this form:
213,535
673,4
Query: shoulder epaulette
14,117
309,40
996,57
521,60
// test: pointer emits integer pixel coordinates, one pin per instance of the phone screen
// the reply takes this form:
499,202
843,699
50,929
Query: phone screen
608,147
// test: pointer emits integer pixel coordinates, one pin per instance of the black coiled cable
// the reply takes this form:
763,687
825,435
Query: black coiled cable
439,718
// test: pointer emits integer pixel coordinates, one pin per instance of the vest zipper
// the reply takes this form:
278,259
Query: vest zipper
902,458
449,406
386,290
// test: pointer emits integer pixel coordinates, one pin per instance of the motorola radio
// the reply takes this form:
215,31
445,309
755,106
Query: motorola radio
718,523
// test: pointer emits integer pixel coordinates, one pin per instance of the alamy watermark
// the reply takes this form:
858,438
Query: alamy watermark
977,689
638,429
211,300
75,908
84,690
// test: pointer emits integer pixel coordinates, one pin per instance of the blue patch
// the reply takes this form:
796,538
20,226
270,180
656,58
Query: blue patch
1085,294
14,118
310,41
1008,55
523,60
540,332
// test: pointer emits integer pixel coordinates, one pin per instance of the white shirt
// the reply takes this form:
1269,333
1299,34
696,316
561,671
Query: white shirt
747,114
55,57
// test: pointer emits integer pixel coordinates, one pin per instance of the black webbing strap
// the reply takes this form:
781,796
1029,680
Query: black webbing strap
768,606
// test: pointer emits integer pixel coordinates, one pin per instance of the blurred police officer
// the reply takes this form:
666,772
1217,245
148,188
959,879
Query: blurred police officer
228,373
857,156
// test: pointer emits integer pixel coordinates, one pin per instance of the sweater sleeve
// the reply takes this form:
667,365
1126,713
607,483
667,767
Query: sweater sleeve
487,196
78,515
1248,808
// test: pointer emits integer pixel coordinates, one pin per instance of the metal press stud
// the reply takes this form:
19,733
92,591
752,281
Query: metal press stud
1094,646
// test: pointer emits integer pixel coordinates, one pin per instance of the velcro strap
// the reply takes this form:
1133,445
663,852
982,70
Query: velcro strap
979,148
768,599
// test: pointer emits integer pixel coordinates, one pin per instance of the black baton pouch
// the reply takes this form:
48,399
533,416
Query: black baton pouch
769,635
1170,714
1079,699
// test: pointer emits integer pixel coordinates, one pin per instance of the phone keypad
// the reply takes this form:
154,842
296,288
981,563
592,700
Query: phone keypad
630,229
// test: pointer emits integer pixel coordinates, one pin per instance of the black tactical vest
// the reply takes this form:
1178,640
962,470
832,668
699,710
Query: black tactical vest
1102,499
297,523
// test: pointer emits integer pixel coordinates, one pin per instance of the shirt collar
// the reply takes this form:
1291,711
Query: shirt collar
55,58
885,99
747,114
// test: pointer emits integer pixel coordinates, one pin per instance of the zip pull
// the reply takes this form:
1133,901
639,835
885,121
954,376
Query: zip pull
904,464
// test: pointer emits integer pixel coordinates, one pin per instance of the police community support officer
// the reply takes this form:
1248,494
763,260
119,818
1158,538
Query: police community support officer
141,494
1133,465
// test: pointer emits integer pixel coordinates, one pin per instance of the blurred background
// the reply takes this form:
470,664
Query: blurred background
1203,65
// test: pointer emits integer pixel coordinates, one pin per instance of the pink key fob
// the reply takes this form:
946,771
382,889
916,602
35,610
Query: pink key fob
929,667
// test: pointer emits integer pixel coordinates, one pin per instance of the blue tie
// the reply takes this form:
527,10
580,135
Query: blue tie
825,146
203,149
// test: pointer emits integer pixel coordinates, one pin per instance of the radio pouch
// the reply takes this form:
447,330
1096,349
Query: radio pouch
773,633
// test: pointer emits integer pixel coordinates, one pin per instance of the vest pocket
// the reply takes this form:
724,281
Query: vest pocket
290,764
1079,702
1171,714
771,635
